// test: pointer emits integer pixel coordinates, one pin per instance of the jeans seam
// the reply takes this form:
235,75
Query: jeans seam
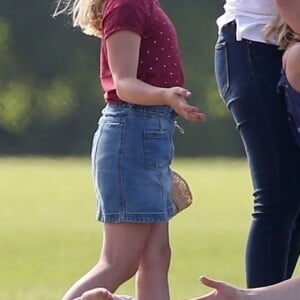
250,61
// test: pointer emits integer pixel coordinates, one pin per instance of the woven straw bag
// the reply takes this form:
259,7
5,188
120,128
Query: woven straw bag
181,193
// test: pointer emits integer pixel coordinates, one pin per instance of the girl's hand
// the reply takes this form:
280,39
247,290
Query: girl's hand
176,98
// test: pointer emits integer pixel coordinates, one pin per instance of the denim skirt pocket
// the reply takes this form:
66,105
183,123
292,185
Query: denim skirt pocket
158,148
222,68
110,143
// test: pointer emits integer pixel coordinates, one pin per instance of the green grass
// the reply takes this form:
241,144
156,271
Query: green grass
49,236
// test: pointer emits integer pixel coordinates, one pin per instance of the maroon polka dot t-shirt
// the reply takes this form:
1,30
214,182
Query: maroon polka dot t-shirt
159,57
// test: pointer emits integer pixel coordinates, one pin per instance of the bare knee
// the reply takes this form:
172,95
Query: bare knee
127,269
121,270
157,256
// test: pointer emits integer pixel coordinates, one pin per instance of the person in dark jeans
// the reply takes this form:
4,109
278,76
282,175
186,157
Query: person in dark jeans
247,71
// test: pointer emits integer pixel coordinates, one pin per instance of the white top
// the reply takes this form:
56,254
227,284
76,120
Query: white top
250,15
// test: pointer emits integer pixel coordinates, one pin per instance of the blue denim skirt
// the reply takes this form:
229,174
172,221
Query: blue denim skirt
131,155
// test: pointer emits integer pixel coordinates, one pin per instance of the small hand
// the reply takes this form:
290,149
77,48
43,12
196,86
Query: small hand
222,290
177,100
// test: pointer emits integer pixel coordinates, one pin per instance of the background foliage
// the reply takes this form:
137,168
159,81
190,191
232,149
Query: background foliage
50,97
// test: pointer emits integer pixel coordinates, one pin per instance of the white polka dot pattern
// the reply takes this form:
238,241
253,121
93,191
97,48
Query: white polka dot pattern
159,59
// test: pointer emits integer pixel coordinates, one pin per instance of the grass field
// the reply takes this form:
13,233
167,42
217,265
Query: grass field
49,235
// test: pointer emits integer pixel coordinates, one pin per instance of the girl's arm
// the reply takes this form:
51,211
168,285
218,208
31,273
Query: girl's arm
123,56
290,12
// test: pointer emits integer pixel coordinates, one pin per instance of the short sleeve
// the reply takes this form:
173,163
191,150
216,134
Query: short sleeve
123,15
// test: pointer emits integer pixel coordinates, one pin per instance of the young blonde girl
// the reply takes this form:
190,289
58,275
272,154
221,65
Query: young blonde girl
142,78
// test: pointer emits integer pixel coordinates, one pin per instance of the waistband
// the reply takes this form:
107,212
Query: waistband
161,110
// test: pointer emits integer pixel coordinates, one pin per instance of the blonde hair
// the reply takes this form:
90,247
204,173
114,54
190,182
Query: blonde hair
282,32
86,14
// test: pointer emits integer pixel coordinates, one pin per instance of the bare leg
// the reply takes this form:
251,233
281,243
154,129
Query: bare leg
122,248
152,276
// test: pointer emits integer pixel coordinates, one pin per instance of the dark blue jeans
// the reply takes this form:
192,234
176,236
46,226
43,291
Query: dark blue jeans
247,74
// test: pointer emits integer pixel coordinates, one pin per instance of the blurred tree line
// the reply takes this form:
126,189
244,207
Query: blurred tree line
50,98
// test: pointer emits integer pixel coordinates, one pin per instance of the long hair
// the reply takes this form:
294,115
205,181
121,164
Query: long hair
86,14
281,31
